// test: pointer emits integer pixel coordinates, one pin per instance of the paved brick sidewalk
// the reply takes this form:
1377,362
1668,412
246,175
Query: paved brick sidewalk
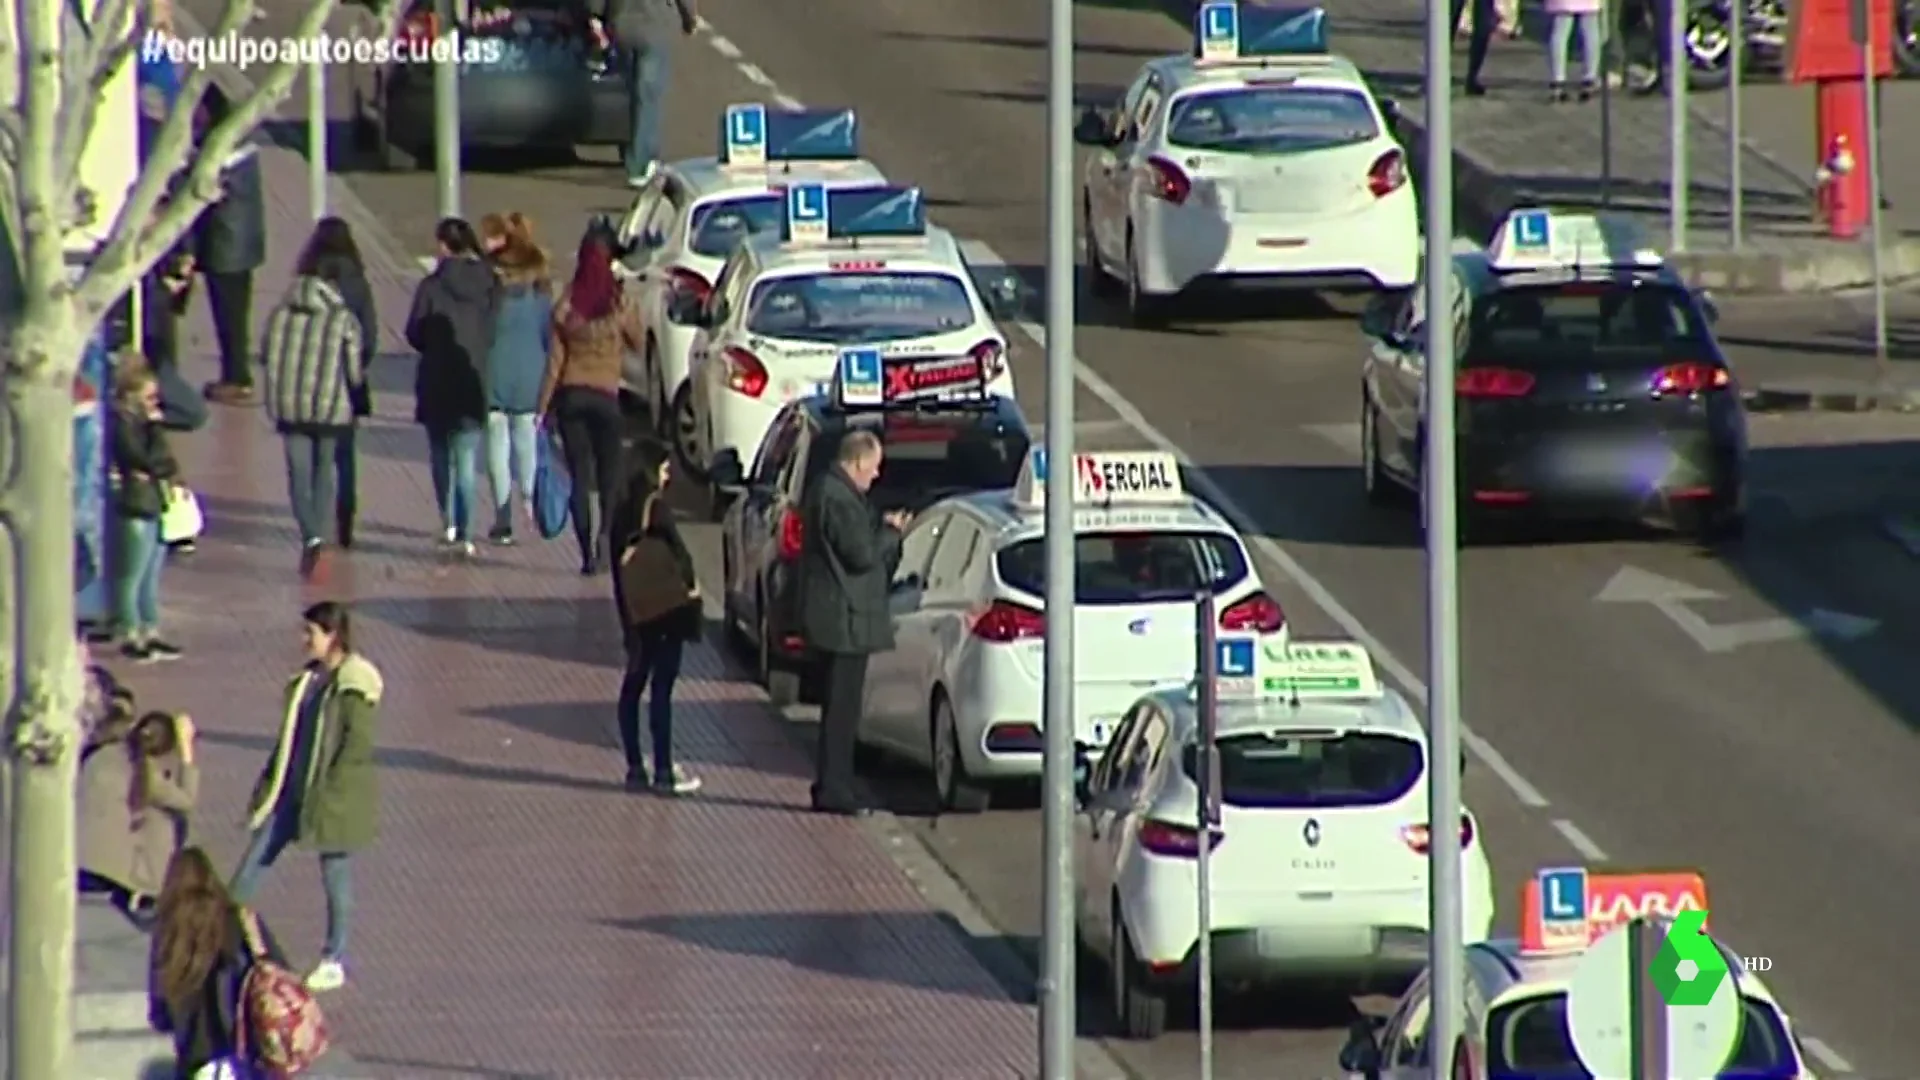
522,915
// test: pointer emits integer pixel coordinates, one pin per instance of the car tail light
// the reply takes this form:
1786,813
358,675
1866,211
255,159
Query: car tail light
419,27
1690,378
1388,174
745,373
1169,181
1256,612
1420,838
684,282
1494,383
1003,623
792,533
1174,841
991,356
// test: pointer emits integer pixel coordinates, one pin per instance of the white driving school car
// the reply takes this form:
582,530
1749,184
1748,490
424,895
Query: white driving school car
1319,859
684,224
1261,160
960,691
850,268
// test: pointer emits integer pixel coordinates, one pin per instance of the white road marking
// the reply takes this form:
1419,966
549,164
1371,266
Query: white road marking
984,258
724,47
1344,437
787,101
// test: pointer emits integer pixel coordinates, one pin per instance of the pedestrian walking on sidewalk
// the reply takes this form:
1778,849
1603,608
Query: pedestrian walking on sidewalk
145,477
319,788
644,31
595,326
451,326
658,618
201,953
1482,19
230,243
516,370
314,351
1567,16
138,786
847,558
332,245
164,293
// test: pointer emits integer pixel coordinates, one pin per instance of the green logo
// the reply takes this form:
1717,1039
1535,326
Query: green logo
1689,966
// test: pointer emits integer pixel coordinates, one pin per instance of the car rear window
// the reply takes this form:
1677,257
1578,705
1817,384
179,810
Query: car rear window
1129,567
1272,119
928,458
1277,770
1529,1040
859,307
719,226
1585,318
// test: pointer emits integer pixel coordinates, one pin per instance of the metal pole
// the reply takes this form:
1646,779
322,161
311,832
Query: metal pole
1059,1023
1608,13
1443,610
1207,700
1736,181
1876,205
1646,1012
317,138
1678,72
446,108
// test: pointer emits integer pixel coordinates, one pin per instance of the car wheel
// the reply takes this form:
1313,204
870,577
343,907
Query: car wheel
783,687
957,793
1373,472
685,426
1099,282
1142,1013
1146,312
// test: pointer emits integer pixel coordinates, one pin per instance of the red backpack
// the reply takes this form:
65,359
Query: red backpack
280,1028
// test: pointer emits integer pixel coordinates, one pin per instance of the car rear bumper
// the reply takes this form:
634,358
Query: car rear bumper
1649,476
506,111
1374,248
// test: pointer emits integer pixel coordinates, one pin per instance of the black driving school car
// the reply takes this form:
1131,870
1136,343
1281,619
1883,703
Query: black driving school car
1589,385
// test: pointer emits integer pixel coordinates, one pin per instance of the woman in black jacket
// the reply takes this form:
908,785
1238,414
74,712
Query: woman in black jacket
451,326
654,648
144,474
203,945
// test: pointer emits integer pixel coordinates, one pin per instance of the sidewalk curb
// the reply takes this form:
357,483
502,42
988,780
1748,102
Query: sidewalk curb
1790,399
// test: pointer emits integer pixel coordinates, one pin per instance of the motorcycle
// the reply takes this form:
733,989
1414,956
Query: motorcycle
1709,37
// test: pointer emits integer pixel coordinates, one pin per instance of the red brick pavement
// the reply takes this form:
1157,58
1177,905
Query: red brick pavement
522,915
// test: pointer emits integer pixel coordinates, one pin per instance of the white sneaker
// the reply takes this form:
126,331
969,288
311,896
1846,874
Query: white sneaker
327,975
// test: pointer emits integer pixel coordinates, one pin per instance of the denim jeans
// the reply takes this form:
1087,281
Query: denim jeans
653,665
453,457
336,877
136,577
646,91
313,461
510,456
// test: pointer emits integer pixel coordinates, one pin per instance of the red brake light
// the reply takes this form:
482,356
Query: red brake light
1690,378
1494,383
791,535
685,282
1005,622
1256,612
991,356
1174,841
745,373
1420,838
1388,174
1169,182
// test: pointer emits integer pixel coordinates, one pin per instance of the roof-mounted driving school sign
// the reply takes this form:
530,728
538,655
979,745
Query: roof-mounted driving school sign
754,136
1121,478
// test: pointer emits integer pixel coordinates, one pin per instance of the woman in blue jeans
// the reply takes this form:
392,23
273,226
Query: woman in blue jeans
516,365
451,326
144,474
656,646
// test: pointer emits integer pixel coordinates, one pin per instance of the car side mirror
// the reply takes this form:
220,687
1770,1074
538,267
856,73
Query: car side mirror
727,476
686,311
1361,1055
1082,774
1093,129
651,239
1390,109
1003,296
1377,320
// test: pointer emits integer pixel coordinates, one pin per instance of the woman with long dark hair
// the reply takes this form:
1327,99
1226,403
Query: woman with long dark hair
655,646
595,325
203,944
451,326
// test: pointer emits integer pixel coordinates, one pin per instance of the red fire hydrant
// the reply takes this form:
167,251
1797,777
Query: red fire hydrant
1842,173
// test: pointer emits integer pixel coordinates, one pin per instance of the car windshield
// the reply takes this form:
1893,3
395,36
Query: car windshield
1579,320
1283,770
1272,119
1529,1040
1132,567
719,226
859,308
930,457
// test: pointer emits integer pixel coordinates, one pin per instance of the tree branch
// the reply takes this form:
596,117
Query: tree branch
111,39
140,236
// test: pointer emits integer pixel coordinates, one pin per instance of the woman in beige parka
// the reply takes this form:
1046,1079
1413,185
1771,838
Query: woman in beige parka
138,786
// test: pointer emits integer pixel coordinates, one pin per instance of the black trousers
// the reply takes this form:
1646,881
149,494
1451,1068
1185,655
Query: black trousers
231,297
1485,19
590,427
843,684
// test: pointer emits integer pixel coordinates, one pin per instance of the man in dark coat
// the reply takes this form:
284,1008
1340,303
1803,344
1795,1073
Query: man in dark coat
230,243
451,326
847,561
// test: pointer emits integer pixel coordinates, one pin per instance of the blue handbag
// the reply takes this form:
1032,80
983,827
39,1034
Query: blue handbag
552,487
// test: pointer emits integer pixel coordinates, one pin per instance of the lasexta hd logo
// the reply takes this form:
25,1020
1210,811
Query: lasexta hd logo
1689,966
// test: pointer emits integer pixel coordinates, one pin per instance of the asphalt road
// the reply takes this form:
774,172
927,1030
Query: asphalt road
1781,769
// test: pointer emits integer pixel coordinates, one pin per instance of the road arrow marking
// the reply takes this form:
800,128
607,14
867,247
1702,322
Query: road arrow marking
1671,598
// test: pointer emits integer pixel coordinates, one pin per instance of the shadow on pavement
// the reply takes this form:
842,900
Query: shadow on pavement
427,761
1080,47
1096,95
565,630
